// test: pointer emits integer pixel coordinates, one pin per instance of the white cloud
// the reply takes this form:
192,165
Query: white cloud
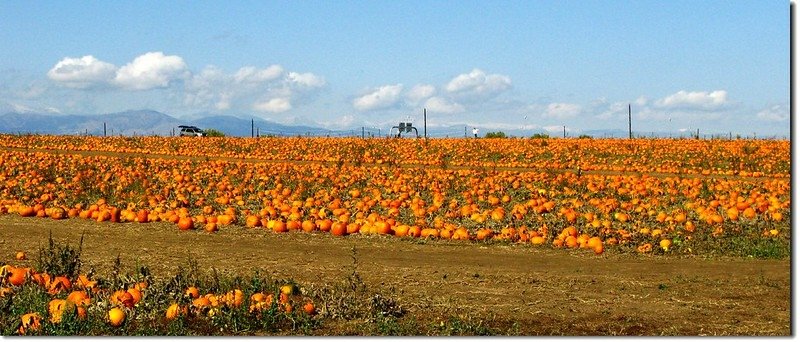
470,91
562,110
554,129
478,84
84,72
276,105
381,97
697,100
213,89
250,74
23,109
609,110
494,126
307,80
441,105
774,113
269,89
202,89
33,91
224,102
345,121
151,70
420,92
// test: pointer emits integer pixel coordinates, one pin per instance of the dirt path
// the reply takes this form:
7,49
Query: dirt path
405,166
546,291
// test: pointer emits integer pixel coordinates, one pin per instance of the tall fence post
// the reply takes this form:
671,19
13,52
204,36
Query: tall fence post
425,123
630,127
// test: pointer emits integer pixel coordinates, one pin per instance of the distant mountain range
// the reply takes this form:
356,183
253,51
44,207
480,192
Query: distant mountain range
149,122
144,122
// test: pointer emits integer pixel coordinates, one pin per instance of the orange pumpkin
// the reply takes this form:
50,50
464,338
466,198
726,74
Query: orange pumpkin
29,322
309,309
59,284
142,216
186,223
116,317
136,295
56,309
279,226
252,221
26,211
58,213
339,229
17,276
122,298
192,292
78,298
175,310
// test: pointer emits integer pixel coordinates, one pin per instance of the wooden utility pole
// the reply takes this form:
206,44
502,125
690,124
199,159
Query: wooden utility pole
425,122
104,129
565,131
252,127
630,128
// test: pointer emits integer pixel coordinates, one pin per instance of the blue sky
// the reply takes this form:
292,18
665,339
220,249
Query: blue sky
715,65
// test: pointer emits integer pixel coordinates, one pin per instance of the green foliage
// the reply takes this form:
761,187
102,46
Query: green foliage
211,132
390,326
351,298
540,136
584,136
761,248
60,259
498,134
749,149
147,316
456,326
749,245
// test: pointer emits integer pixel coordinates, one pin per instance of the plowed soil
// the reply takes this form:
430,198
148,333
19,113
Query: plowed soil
545,291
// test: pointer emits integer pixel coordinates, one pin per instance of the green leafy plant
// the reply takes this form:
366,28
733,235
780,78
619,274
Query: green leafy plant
211,132
60,259
498,134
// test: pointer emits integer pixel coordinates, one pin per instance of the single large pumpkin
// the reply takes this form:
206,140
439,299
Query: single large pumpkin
116,317
186,223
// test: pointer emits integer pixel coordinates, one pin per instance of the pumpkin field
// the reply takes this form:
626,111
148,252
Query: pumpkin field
350,236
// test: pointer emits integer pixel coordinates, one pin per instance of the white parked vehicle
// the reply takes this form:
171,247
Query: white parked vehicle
191,131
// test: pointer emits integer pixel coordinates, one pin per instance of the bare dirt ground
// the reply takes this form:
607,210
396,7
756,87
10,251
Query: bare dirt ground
544,291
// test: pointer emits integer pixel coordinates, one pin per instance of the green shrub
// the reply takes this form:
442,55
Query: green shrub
497,134
214,133
60,259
